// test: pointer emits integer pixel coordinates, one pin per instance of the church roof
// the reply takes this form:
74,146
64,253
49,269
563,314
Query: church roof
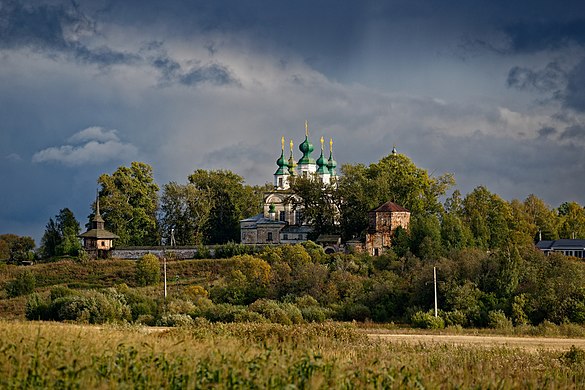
390,207
99,234
561,244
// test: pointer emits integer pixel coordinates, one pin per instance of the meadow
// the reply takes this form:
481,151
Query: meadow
247,355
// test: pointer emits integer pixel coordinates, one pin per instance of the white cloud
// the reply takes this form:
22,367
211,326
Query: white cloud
94,133
95,145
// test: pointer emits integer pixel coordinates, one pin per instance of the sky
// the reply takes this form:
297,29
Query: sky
491,91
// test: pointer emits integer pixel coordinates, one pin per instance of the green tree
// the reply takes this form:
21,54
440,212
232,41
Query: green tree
50,240
147,270
543,217
230,200
355,190
60,237
487,215
425,237
394,178
186,209
318,202
398,179
572,220
23,284
129,202
22,248
454,233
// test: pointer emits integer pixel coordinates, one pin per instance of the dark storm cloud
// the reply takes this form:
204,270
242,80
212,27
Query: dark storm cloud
39,27
549,79
546,132
573,133
171,71
54,29
214,73
575,92
528,37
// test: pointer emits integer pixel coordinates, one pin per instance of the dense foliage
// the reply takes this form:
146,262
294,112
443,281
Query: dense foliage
129,203
16,248
60,237
300,283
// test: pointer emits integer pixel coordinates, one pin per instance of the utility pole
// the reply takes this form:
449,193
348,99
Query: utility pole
165,275
435,284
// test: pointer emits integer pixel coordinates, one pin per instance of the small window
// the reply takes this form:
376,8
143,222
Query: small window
285,236
282,216
269,236
280,181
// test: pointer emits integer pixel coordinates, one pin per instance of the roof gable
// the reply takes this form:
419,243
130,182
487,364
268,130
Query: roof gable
390,207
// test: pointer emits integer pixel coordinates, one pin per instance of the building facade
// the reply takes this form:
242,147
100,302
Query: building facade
97,241
567,247
281,222
383,222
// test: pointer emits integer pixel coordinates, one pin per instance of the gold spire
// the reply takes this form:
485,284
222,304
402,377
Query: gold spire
322,141
291,146
331,144
307,128
282,142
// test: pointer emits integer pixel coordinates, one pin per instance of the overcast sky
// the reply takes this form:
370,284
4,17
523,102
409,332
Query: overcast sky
492,91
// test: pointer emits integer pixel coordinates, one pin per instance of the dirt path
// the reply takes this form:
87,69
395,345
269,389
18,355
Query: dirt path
531,343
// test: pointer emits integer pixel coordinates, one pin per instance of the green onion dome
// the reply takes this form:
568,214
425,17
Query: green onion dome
332,164
291,163
282,165
306,147
322,165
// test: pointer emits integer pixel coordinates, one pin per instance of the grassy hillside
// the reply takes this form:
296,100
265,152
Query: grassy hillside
99,275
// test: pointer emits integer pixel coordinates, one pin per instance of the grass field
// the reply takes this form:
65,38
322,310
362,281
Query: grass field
329,355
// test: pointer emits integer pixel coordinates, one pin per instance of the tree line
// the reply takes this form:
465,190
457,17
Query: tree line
207,208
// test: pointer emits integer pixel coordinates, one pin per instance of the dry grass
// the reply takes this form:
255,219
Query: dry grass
42,355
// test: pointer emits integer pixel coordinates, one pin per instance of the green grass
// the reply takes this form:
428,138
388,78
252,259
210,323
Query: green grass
46,355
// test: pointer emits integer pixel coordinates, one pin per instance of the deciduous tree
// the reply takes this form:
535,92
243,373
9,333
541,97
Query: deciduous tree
129,202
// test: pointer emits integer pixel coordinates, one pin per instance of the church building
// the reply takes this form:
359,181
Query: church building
97,241
280,222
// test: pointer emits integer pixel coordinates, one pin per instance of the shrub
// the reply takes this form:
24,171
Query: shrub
355,311
250,316
202,252
427,320
455,318
313,314
176,320
498,320
179,306
272,311
23,284
37,308
223,312
147,270
61,291
92,307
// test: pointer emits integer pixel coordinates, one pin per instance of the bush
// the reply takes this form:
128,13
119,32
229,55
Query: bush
427,320
37,308
455,318
354,311
147,270
272,311
498,320
61,291
23,284
313,314
223,312
93,307
176,320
